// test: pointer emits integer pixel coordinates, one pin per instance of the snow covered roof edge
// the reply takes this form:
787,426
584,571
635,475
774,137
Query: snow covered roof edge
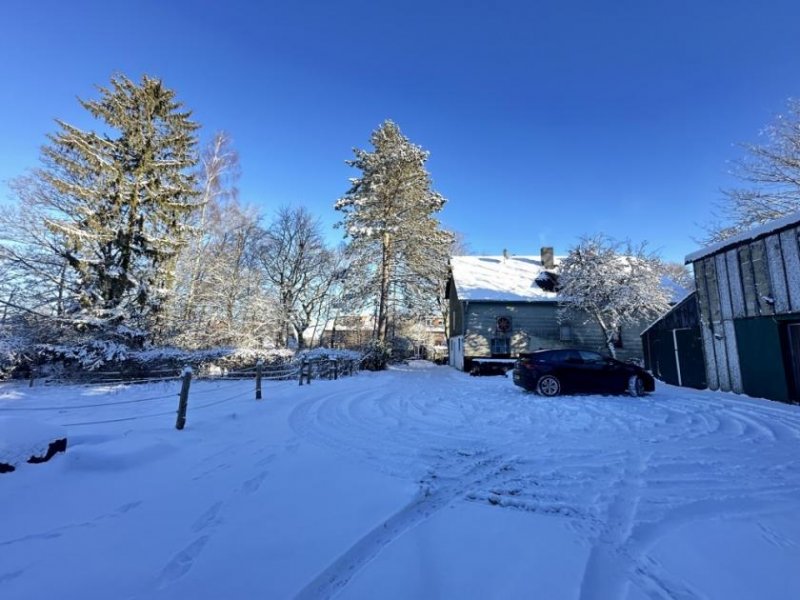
751,234
671,308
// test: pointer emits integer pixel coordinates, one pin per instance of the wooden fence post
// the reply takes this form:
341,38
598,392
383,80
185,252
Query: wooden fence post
33,376
335,369
184,399
259,364
302,368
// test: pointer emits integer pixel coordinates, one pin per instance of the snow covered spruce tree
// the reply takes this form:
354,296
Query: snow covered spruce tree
771,173
118,202
389,221
611,284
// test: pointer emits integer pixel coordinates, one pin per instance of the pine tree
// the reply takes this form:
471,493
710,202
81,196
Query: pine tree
389,219
119,201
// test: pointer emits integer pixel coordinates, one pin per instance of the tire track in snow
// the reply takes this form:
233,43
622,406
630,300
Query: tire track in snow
606,573
430,500
706,458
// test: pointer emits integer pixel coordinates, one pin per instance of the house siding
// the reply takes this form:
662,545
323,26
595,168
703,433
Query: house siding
455,321
535,326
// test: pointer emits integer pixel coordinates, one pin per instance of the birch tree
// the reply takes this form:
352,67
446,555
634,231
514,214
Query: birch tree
218,175
391,226
611,284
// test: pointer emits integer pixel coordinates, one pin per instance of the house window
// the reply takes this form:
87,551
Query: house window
501,345
618,337
565,332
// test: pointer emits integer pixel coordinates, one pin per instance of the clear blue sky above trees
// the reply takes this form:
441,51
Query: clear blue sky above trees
545,120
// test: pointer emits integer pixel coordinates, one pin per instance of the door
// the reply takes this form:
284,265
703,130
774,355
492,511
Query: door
793,360
456,350
568,367
690,358
601,374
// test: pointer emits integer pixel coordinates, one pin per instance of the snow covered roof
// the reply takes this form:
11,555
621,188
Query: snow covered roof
756,232
511,279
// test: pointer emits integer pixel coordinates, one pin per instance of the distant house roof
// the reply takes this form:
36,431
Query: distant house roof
496,278
767,228
517,279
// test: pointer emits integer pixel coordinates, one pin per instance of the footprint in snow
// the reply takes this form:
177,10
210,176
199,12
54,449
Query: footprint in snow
182,562
6,577
128,507
251,485
208,518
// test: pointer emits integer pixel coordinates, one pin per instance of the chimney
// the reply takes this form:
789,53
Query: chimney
547,257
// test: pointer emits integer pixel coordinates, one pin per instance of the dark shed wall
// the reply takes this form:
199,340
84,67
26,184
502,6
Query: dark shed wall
673,346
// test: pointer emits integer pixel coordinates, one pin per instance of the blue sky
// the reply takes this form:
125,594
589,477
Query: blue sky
545,120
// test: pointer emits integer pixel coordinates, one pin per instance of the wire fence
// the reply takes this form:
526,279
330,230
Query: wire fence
303,370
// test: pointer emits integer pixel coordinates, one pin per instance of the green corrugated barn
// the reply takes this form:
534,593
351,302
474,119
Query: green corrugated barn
748,294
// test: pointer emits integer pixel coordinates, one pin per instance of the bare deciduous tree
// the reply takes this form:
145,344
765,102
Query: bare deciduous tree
771,173
295,260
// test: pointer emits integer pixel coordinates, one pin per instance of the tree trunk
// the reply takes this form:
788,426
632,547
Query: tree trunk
383,301
608,335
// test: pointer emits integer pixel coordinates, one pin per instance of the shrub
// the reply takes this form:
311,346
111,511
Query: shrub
376,356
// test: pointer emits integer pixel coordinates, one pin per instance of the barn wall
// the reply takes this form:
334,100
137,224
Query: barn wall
741,293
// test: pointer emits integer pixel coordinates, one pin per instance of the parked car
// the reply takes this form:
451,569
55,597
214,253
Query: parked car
554,372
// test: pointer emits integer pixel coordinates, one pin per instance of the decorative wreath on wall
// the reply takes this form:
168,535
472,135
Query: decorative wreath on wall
503,324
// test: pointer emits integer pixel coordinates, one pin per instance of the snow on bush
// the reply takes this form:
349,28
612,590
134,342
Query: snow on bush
329,354
12,354
376,356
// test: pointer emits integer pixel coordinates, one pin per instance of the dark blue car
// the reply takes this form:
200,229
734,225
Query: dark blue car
554,372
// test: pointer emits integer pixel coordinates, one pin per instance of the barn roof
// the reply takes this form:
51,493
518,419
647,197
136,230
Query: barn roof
497,278
765,229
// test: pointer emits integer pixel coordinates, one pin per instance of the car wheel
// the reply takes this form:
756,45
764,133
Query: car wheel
548,386
635,386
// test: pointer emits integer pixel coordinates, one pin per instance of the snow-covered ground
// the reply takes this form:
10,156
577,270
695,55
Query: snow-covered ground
417,483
